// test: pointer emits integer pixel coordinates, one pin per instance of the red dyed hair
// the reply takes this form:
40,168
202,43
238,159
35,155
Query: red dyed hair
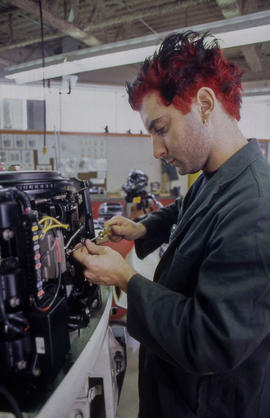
184,63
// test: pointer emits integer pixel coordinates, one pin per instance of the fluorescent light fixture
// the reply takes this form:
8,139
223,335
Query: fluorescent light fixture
97,62
243,37
238,31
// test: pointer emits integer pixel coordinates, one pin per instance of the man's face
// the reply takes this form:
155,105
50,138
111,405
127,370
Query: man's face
179,139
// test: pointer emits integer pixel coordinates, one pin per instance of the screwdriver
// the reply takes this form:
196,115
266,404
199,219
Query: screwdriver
100,235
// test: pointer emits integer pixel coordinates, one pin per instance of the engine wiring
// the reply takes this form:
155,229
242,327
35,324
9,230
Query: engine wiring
59,280
45,299
50,223
73,236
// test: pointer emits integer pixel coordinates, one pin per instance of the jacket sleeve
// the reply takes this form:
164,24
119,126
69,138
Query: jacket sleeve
228,316
158,225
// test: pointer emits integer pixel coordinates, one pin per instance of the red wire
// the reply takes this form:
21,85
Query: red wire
59,258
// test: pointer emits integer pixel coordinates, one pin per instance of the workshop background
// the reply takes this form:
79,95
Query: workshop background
63,68
63,104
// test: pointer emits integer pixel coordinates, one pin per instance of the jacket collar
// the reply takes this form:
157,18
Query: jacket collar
230,170
238,162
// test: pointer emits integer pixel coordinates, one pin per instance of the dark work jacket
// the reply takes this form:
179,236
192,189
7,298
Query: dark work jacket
204,323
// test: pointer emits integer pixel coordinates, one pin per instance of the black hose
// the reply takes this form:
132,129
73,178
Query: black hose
12,402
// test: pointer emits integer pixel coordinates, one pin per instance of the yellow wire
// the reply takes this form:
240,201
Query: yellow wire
50,225
44,231
54,226
45,218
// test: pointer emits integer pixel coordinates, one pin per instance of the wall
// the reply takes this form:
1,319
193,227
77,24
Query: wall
88,108
255,117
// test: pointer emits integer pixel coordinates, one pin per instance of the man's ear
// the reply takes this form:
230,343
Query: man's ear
206,101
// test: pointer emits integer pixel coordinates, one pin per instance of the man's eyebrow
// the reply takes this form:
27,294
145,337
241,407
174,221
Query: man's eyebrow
152,123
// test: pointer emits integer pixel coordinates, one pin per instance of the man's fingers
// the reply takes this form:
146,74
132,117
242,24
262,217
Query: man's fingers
116,234
117,227
88,274
92,278
93,248
115,220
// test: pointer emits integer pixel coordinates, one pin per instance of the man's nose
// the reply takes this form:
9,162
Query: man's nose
159,149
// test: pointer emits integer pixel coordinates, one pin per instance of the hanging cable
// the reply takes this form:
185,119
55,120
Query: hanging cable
74,236
43,81
12,402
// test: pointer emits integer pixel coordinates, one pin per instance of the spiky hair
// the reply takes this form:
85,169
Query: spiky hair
183,64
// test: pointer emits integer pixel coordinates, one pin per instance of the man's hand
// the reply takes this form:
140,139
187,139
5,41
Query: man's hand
104,265
124,228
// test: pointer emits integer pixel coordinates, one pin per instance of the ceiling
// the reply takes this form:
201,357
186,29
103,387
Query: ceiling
78,25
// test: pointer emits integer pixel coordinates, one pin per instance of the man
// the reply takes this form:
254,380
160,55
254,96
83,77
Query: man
204,321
